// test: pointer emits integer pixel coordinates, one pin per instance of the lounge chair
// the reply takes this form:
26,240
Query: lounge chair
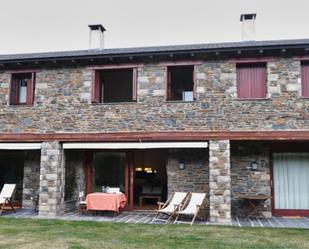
6,196
192,208
170,207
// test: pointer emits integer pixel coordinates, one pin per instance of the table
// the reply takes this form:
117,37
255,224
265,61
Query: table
105,202
142,197
253,202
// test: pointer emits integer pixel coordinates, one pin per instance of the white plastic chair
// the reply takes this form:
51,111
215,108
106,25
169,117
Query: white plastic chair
192,208
82,205
6,196
170,207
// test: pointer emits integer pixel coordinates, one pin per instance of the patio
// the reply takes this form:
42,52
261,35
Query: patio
146,218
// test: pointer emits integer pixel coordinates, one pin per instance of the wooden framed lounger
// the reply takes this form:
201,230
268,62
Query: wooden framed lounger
6,196
170,207
192,208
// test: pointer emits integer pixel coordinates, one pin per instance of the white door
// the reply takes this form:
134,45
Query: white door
291,180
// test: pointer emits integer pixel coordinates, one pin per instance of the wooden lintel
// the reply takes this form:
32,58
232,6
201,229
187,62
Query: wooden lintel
252,59
116,66
157,136
26,70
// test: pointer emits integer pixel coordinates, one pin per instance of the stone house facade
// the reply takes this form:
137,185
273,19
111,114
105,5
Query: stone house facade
68,126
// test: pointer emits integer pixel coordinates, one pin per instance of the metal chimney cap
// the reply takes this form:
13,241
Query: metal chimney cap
97,27
247,17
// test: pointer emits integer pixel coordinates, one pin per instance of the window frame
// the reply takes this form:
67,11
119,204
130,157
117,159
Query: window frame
257,64
96,88
16,77
168,83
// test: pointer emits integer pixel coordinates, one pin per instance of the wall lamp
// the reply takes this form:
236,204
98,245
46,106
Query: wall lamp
181,165
254,165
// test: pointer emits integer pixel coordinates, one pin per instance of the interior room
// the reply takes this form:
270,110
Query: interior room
180,83
150,181
117,85
109,170
12,172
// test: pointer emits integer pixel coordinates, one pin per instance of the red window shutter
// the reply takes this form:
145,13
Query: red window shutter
251,81
95,87
30,89
168,84
305,79
14,91
134,85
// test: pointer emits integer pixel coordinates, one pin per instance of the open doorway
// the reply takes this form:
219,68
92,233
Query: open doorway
109,170
140,175
150,179
12,172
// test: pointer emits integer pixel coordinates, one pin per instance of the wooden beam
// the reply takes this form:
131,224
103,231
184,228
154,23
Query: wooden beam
251,59
180,63
157,136
116,66
26,70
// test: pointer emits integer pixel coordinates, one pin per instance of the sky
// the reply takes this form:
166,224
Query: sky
58,25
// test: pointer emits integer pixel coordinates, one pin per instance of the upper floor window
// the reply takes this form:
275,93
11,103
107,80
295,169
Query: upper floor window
180,83
251,80
22,89
305,79
114,85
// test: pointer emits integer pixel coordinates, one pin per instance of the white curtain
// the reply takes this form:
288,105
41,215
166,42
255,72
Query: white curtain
291,180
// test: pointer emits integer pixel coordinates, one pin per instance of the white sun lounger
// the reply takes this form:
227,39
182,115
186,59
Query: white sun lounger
170,207
6,196
192,208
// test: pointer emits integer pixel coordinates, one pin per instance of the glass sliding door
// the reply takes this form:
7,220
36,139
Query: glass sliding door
109,170
291,181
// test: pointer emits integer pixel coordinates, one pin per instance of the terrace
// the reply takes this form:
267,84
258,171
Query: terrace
146,218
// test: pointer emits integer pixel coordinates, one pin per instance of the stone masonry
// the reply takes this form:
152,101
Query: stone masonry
74,175
195,176
219,181
244,180
66,93
51,179
31,180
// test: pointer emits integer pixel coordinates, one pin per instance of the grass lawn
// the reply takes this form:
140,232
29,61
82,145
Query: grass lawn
28,233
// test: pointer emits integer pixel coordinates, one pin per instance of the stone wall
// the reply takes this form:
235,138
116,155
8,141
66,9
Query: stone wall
246,181
66,92
219,181
195,176
74,174
51,179
31,180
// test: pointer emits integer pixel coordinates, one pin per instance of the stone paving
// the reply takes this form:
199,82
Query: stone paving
146,218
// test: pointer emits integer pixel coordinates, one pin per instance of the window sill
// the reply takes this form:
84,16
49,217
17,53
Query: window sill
252,99
179,101
116,103
20,105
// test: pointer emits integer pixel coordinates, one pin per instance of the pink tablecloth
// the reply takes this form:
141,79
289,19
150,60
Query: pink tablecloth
105,201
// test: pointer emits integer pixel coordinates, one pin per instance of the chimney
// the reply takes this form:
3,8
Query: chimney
96,36
248,26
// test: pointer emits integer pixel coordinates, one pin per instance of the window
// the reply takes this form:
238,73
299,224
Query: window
251,81
305,79
22,89
116,85
180,83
